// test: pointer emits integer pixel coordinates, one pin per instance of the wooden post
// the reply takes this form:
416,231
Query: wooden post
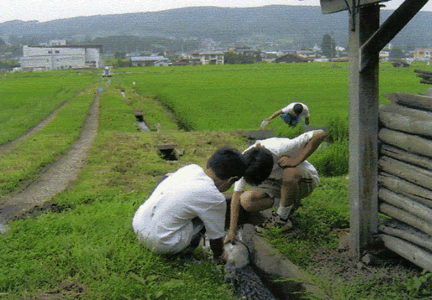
363,117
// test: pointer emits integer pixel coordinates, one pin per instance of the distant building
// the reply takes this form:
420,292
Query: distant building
384,55
61,57
182,62
306,53
292,58
57,43
269,56
211,58
422,53
141,61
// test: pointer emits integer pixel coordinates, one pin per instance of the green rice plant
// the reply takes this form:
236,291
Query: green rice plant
241,96
27,98
332,159
23,163
89,243
337,130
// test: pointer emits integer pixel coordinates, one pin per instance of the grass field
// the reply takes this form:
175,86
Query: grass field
234,97
24,162
87,249
27,99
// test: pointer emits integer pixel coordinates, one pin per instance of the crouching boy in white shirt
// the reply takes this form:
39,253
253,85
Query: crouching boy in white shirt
291,179
188,203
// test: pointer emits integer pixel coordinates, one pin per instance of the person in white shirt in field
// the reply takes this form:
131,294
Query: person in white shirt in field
292,179
290,114
188,203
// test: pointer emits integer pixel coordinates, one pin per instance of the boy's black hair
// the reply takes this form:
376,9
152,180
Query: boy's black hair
259,165
227,162
298,108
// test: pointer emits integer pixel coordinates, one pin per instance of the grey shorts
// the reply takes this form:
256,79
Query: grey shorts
272,187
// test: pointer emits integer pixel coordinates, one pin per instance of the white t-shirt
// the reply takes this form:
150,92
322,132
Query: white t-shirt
290,109
284,146
164,221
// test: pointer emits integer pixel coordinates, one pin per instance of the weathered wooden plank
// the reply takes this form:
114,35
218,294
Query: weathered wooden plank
407,142
406,204
419,176
405,119
363,141
414,254
408,157
410,100
406,232
406,188
406,217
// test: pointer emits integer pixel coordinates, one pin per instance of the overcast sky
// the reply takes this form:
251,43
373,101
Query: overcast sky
46,10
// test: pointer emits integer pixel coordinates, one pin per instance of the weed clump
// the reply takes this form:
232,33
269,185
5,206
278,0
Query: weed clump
332,158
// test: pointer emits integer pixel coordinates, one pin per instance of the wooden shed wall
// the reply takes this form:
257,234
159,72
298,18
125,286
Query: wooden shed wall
405,177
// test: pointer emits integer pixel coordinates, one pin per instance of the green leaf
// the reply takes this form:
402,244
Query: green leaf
175,283
136,277
152,277
159,294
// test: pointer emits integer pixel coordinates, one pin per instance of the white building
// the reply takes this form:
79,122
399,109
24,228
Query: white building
57,43
140,61
211,58
61,57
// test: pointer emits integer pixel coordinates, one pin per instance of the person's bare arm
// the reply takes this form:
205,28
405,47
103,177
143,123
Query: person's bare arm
316,140
235,211
277,113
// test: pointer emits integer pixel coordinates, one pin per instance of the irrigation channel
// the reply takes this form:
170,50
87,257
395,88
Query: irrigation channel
256,278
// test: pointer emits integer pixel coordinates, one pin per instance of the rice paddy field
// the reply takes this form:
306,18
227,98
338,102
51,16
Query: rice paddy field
86,249
26,99
241,96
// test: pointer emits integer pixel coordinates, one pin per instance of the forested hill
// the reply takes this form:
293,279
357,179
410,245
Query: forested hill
303,25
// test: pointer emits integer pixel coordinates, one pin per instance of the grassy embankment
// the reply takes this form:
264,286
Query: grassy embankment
88,247
23,108
241,96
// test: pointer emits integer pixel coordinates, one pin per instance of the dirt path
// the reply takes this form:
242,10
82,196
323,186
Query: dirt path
6,147
58,176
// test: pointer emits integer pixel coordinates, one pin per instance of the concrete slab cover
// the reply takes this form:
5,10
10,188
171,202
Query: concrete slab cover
270,261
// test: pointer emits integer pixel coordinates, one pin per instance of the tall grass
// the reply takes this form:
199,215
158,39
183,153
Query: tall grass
332,157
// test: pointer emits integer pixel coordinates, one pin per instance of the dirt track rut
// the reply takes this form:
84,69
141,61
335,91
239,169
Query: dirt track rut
59,175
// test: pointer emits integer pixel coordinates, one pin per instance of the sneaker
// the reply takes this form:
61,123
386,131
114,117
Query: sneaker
274,221
296,205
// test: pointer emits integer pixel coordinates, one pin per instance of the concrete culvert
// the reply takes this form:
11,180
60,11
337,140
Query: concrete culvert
169,152
142,124
239,272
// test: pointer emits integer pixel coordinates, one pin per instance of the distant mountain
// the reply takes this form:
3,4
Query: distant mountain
302,25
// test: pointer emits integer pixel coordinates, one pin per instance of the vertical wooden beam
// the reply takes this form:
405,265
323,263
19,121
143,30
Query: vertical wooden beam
363,118
392,26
